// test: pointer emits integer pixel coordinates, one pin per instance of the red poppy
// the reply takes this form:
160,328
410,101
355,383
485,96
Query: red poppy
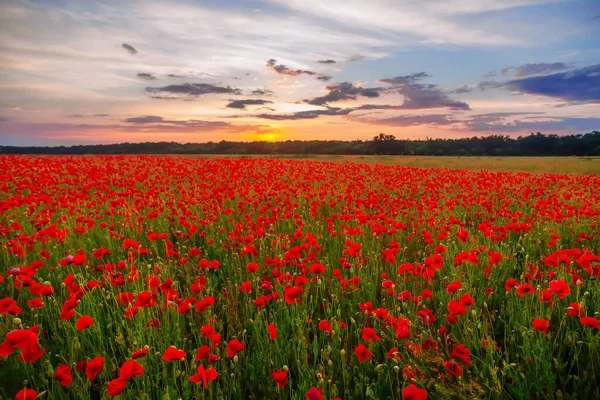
414,393
116,386
204,375
369,334
541,325
131,368
94,367
590,322
272,331
140,353
362,353
173,354
233,347
314,394
559,288
453,368
63,375
280,377
84,322
26,394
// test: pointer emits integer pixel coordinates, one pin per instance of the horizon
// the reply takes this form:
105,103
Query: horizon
84,73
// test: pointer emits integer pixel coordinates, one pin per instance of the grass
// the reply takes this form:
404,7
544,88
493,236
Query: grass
430,259
561,165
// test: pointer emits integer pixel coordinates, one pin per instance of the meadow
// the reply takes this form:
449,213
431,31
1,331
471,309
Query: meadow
161,277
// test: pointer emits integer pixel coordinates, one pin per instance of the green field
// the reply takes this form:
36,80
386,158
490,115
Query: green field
560,165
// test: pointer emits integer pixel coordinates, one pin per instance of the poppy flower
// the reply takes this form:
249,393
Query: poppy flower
252,267
369,334
139,353
453,368
173,354
325,326
26,394
362,353
314,394
451,288
280,377
559,288
94,367
204,375
9,306
233,347
84,322
116,386
541,325
63,375
317,268
272,331
131,368
414,393
590,322
202,353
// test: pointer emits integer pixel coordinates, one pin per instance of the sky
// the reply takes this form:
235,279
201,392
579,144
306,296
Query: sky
92,72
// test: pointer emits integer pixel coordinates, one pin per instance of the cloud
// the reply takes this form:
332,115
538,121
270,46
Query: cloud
262,92
463,89
129,48
190,90
496,122
407,79
241,104
284,70
310,114
101,115
576,85
3,119
485,85
434,22
146,76
326,61
75,116
356,58
145,120
343,91
535,69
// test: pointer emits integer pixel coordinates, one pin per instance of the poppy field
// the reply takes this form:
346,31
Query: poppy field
160,277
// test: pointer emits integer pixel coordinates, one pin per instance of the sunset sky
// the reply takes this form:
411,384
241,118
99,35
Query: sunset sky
81,72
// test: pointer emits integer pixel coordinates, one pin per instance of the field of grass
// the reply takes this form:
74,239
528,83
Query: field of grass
167,277
557,165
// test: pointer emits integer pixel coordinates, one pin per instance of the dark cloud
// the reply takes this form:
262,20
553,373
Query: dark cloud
129,48
356,58
190,90
101,115
146,76
326,61
284,70
262,92
407,79
485,85
241,104
535,69
576,85
311,114
420,96
3,119
344,91
145,120
74,116
176,76
463,89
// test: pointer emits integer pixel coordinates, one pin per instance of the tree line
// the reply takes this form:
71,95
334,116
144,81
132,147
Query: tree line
535,144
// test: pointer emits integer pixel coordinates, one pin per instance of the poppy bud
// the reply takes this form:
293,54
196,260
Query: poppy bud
235,359
17,321
396,368
286,368
329,362
343,352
